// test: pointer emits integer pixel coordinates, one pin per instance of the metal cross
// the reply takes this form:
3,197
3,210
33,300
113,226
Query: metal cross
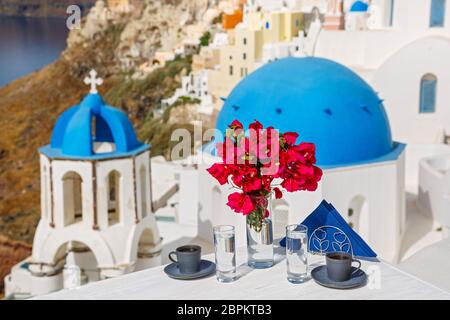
93,81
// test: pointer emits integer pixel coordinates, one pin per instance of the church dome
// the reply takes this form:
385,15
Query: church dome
323,101
359,6
93,130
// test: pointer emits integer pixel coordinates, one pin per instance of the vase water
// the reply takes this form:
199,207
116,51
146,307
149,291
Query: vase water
260,240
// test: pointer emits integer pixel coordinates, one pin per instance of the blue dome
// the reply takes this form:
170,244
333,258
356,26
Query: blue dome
359,6
323,101
74,136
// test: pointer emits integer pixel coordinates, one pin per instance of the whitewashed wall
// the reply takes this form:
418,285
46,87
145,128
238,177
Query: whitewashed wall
434,187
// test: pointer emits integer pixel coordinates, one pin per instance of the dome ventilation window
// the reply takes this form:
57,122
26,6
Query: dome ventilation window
366,109
102,141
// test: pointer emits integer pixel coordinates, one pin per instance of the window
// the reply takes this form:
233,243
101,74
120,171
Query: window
428,93
245,41
244,56
72,197
231,70
242,72
113,197
297,23
437,13
231,57
102,140
143,178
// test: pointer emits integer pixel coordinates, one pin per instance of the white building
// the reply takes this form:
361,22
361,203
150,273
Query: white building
356,17
96,210
271,5
394,56
194,86
278,50
402,51
329,105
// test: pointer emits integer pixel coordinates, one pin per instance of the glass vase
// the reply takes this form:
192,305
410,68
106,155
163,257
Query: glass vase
260,237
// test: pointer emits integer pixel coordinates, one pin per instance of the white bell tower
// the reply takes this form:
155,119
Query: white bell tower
97,219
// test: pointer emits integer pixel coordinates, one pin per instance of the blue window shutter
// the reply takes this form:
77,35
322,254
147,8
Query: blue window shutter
428,95
437,13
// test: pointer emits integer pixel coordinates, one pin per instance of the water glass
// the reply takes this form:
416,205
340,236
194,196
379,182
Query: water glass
224,245
297,253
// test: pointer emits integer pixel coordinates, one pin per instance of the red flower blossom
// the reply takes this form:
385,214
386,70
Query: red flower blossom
257,126
290,138
278,193
219,171
240,203
236,125
246,159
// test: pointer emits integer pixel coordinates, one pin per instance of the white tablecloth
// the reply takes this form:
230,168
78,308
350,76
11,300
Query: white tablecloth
385,282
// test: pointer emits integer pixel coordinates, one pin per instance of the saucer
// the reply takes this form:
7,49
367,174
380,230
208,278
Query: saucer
320,275
206,268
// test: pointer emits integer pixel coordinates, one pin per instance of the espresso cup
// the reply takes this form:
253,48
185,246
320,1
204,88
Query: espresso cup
339,266
187,258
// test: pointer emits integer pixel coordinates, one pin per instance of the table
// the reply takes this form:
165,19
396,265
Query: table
385,282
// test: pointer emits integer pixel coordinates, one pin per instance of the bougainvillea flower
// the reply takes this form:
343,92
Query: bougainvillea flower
257,126
236,125
278,193
240,203
290,138
220,171
246,159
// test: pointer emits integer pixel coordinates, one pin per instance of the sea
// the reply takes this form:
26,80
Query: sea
28,44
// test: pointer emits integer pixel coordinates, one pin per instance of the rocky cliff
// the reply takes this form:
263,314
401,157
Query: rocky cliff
41,8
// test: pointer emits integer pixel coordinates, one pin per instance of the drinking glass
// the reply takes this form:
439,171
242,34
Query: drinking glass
224,245
297,253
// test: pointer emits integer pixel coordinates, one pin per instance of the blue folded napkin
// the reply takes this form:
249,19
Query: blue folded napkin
328,232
